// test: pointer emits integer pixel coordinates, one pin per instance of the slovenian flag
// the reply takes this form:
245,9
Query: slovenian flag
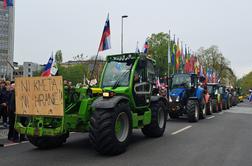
105,39
47,70
146,47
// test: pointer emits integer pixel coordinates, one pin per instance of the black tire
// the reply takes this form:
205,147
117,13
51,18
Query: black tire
203,106
48,142
224,104
193,111
173,115
103,134
215,105
220,106
158,120
209,106
228,104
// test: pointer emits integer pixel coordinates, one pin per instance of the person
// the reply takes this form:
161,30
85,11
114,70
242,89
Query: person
12,135
250,97
3,103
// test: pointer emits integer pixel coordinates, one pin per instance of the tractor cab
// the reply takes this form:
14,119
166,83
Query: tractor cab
213,89
182,85
130,75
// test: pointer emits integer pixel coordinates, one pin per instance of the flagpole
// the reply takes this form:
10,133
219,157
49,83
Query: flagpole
174,55
99,48
169,54
182,60
92,73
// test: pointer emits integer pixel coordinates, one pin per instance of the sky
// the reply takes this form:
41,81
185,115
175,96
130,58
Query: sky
75,27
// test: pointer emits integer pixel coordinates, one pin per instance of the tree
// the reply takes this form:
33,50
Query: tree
214,59
58,57
158,49
246,82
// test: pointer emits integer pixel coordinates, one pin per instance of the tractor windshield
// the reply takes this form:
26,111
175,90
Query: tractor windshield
181,80
117,73
221,89
212,89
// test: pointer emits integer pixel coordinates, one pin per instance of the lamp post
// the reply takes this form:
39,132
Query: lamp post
124,16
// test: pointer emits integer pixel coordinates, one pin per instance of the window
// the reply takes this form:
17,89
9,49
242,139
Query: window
29,70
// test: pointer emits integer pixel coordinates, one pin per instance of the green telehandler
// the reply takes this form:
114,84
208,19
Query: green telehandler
124,101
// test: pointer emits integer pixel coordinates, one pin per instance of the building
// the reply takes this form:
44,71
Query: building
29,69
6,39
18,70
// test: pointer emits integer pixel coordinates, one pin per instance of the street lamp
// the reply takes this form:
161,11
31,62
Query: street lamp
124,16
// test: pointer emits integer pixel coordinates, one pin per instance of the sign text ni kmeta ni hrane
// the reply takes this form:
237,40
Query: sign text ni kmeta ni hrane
40,96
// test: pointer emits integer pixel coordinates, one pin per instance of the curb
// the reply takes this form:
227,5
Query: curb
7,143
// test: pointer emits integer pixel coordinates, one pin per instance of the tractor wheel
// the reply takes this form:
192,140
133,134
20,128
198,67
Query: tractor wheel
215,105
48,142
110,130
228,104
173,115
158,121
193,111
203,106
209,107
224,105
220,106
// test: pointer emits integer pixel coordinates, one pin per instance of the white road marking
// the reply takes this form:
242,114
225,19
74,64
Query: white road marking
13,144
210,117
181,130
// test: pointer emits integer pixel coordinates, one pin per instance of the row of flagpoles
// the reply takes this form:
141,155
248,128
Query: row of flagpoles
184,61
180,57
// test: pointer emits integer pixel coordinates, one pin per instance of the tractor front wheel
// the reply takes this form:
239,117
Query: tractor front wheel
110,129
193,111
48,142
202,114
215,105
209,108
158,121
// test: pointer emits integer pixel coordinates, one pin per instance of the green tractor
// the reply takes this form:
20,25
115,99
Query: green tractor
124,101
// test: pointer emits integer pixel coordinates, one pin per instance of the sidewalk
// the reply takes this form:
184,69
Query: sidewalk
3,136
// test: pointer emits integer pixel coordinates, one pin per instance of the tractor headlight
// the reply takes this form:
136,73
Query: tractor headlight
108,94
170,99
177,99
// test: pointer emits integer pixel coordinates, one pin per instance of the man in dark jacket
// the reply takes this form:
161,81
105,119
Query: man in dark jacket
12,135
3,102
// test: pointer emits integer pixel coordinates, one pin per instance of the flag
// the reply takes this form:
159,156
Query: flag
47,69
178,54
5,4
146,47
182,58
169,52
173,51
9,2
105,39
201,72
186,61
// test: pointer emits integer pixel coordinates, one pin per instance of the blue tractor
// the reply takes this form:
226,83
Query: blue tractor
186,97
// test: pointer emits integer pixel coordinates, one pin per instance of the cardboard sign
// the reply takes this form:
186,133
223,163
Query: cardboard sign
39,96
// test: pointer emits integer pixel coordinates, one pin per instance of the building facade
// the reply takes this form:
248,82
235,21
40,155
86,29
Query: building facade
29,68
6,40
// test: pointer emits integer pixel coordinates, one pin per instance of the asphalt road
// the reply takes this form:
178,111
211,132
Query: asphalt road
224,139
